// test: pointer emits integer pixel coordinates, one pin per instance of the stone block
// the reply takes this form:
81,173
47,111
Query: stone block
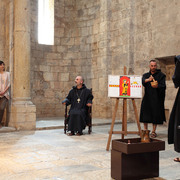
44,68
95,84
85,47
61,49
90,23
26,126
76,62
53,56
83,54
55,69
59,32
55,85
74,48
23,115
93,10
1,54
48,94
57,41
51,62
84,31
102,83
103,27
36,84
70,55
67,41
50,76
64,76
81,24
78,69
37,54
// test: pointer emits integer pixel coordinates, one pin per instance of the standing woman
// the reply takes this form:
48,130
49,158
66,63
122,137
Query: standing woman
4,89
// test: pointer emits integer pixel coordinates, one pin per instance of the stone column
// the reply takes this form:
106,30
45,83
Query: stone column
2,33
23,112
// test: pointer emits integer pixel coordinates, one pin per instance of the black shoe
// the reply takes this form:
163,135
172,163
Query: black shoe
71,133
79,133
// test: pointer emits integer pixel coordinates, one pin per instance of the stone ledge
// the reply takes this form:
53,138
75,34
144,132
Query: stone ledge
7,129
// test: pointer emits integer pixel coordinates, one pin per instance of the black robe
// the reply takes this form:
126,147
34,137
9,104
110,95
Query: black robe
77,119
152,106
174,120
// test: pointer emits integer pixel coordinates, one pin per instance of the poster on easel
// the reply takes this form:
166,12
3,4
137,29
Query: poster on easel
124,86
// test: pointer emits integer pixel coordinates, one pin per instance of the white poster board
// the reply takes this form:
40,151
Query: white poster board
125,86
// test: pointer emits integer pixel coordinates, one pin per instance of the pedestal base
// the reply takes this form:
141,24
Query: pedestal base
136,160
23,115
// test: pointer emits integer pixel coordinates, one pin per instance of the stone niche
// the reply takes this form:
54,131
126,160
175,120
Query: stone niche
167,66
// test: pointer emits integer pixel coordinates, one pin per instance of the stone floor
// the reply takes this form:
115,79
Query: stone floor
49,154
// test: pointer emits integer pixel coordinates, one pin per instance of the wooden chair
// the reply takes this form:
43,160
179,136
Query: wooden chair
88,120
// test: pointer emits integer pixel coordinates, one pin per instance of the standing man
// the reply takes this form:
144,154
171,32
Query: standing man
4,89
152,107
80,99
174,120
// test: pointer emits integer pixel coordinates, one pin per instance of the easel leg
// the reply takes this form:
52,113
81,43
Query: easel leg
137,118
112,124
124,115
124,119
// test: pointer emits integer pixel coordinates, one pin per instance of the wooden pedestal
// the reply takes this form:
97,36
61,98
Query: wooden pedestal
131,159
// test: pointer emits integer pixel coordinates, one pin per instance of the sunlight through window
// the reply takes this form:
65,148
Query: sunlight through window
46,22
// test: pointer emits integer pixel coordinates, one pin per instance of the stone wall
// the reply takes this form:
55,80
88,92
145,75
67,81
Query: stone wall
156,35
96,38
80,49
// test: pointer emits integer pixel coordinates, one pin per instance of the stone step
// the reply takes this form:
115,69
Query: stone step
7,129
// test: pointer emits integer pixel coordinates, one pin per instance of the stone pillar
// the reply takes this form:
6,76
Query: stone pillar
23,112
2,33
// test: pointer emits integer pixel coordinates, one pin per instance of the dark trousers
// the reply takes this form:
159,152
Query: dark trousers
3,102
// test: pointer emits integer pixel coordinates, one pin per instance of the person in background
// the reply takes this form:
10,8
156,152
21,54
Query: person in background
174,120
80,99
152,106
4,89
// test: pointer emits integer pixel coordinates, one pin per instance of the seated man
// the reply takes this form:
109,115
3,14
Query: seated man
80,99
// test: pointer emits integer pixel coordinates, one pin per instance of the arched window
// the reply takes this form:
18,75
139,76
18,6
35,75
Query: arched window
46,22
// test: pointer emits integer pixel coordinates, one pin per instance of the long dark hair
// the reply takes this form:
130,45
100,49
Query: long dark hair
1,62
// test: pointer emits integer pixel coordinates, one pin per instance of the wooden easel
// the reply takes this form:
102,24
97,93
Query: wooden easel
124,131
